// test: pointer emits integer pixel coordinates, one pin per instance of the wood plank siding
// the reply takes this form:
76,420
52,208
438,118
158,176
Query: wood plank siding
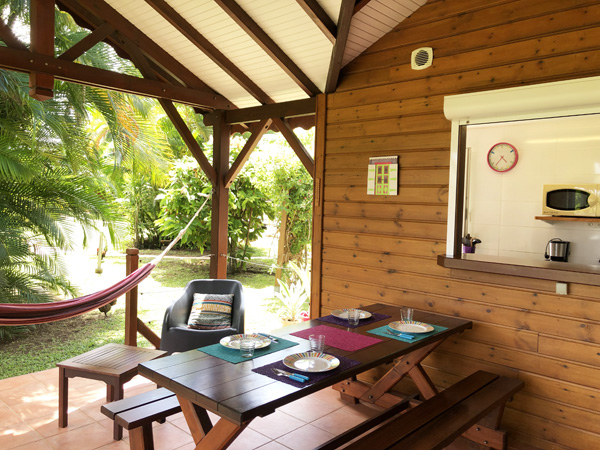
384,249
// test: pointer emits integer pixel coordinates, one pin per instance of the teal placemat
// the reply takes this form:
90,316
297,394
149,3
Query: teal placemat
418,336
233,355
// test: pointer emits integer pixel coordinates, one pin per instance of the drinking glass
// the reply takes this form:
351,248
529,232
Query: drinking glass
317,342
407,314
247,347
353,316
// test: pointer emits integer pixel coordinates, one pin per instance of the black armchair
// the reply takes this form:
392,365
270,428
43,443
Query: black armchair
177,337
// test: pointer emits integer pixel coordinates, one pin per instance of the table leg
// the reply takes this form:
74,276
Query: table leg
63,398
208,437
402,368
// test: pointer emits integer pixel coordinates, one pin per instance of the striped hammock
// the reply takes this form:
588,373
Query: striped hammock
36,313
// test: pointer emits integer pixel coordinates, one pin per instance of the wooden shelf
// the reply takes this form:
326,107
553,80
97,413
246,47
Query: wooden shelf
567,219
529,268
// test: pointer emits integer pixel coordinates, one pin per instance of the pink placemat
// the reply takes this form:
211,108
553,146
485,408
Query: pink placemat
342,339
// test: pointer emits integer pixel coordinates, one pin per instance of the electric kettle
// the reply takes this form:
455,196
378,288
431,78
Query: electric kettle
557,250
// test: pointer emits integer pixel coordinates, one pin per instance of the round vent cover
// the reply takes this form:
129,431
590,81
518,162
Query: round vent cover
421,58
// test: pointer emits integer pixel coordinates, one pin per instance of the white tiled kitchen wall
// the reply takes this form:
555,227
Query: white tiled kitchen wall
501,207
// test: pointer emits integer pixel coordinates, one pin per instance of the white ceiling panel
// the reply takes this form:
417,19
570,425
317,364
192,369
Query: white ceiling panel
287,25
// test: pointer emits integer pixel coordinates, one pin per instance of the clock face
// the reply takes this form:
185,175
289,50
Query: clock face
502,157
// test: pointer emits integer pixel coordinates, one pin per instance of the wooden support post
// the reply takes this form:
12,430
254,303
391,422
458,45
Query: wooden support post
317,224
281,249
131,298
220,200
41,85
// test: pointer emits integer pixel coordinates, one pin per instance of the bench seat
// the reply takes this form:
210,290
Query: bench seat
137,413
438,421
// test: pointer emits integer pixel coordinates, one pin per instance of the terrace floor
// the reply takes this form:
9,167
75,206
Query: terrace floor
29,418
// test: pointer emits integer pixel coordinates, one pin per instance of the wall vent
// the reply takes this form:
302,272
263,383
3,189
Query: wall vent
421,58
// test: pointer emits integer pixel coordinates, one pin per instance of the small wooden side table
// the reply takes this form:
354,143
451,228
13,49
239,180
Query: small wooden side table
115,364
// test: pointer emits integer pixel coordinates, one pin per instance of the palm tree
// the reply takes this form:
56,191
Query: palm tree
63,163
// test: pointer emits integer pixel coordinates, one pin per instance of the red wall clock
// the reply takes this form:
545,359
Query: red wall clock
502,157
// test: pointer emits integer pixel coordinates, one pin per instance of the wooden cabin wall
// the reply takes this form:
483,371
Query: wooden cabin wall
384,249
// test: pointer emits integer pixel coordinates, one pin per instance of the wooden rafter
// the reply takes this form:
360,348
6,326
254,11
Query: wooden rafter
97,35
318,15
343,29
268,45
289,135
204,45
25,61
98,10
9,37
257,133
360,4
294,108
41,13
144,67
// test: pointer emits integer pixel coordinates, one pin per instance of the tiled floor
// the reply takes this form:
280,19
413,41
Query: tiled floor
29,418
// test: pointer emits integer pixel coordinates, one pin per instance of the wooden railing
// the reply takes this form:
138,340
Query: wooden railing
133,324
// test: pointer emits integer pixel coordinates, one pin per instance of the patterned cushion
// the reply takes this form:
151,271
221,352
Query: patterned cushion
211,311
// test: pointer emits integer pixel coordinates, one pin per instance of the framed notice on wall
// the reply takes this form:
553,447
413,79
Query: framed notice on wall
383,176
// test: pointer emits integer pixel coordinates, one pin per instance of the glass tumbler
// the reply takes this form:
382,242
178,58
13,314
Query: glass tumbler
247,346
353,316
407,314
317,342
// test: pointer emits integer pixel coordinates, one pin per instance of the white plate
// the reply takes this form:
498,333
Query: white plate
233,341
311,362
343,313
410,326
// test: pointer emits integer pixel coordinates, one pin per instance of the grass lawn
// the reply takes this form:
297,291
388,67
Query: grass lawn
45,345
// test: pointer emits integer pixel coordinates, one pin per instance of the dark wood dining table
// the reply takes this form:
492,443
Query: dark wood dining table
238,395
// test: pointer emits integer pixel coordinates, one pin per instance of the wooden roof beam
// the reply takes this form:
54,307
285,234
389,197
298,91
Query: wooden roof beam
289,135
25,61
257,133
343,29
97,10
96,36
318,15
294,108
184,27
268,45
41,15
360,4
195,149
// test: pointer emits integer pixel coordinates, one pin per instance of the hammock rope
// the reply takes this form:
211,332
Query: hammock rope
36,313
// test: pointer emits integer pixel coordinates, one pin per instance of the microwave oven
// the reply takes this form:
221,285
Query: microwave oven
571,200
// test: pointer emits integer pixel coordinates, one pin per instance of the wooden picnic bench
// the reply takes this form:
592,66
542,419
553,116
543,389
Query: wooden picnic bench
440,420
137,413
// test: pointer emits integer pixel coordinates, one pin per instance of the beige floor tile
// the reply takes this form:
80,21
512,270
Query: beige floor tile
14,382
36,406
329,396
273,446
8,416
338,421
276,424
37,445
48,425
308,409
305,438
115,445
248,440
169,437
16,435
83,438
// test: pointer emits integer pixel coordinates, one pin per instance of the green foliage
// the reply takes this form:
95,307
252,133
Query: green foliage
294,296
180,200
291,190
248,206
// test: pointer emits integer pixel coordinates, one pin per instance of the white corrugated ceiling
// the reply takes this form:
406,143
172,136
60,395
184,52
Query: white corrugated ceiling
287,25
